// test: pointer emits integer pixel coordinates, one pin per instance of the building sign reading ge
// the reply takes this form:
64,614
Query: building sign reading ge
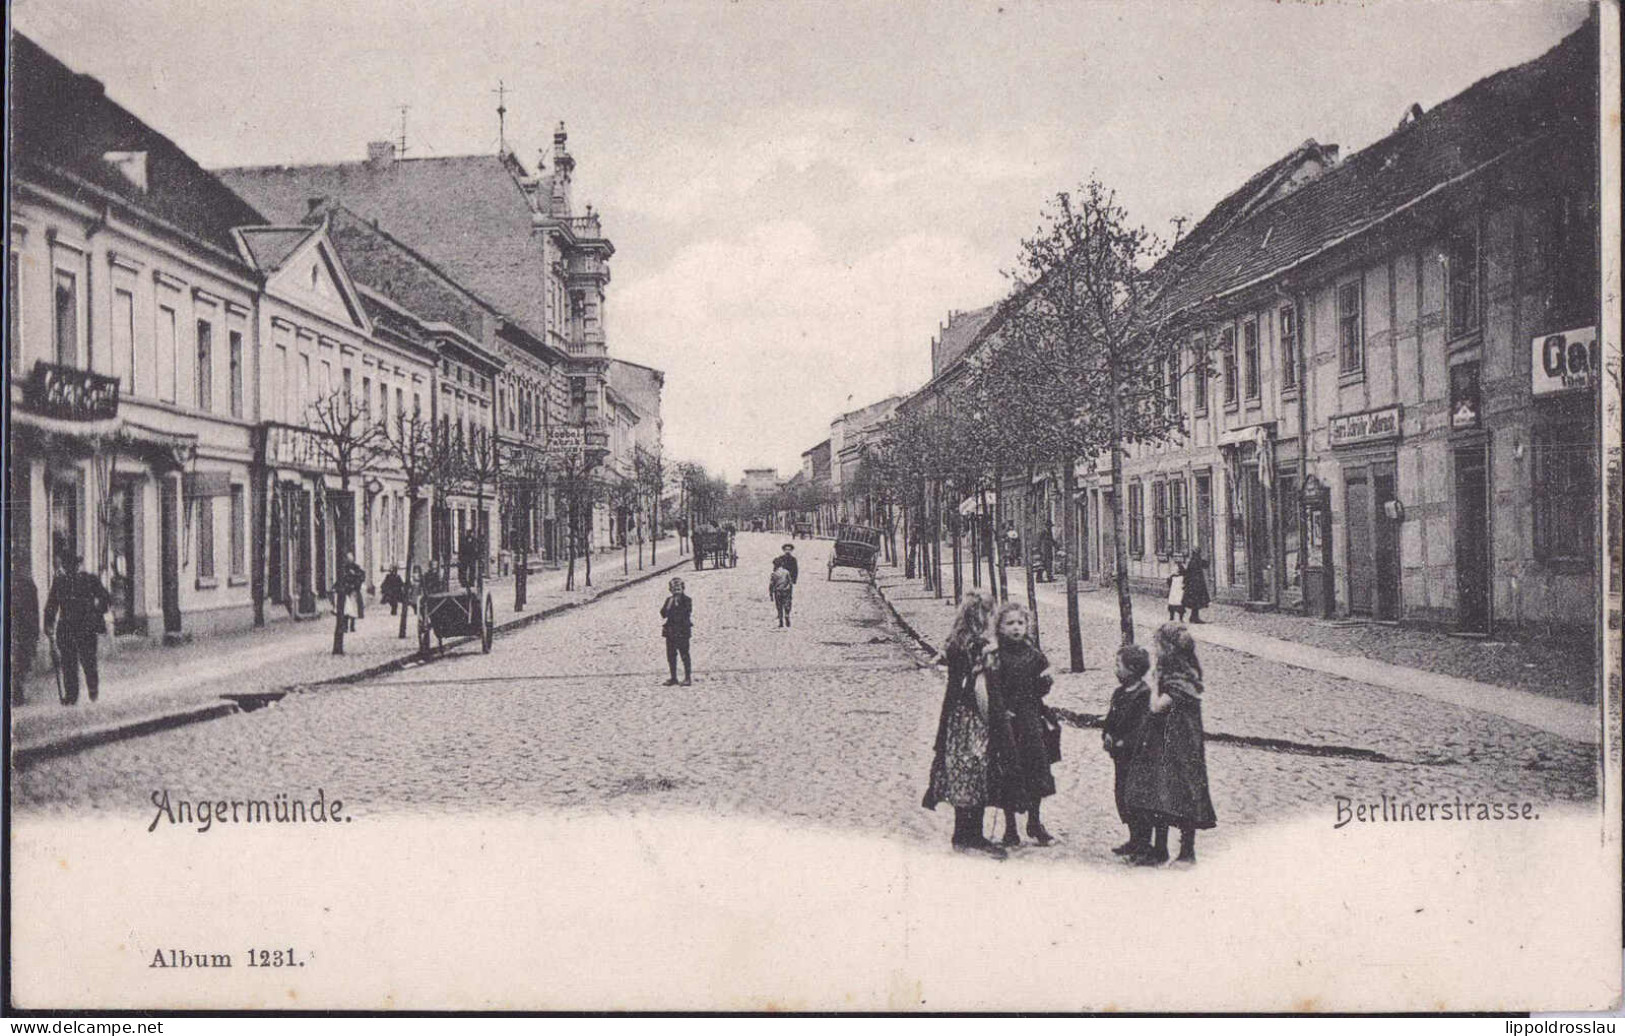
1564,361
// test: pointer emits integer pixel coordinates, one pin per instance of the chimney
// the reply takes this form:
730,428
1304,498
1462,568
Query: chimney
93,88
380,153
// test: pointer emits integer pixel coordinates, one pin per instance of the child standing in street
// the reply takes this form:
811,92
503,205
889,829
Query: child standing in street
1176,594
1168,774
1131,704
1019,677
678,611
781,587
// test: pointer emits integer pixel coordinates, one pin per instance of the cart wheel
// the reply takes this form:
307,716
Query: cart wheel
486,628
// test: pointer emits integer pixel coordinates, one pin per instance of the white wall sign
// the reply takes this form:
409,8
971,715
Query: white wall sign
1370,426
1564,361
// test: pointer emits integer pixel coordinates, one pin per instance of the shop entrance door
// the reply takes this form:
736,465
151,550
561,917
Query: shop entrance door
122,505
1362,574
1387,535
1472,541
169,553
1258,538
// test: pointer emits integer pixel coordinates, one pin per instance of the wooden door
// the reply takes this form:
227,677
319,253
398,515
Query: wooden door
1357,513
169,553
1472,541
1387,545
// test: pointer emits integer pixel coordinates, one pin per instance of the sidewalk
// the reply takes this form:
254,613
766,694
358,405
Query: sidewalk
152,689
1571,720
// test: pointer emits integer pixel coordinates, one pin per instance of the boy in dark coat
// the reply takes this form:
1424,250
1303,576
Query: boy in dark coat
678,611
393,591
1131,704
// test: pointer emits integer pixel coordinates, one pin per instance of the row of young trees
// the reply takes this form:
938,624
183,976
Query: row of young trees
435,462
1084,361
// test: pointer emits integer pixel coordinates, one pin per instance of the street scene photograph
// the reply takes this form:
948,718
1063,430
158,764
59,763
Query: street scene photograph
1199,426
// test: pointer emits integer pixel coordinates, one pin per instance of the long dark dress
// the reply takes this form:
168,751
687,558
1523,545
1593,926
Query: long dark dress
1130,707
1196,592
1167,777
959,767
1020,761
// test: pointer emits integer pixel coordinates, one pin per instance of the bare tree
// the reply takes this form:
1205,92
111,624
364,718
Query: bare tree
349,443
413,450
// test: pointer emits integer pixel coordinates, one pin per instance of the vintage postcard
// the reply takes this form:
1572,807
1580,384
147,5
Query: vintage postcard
1205,417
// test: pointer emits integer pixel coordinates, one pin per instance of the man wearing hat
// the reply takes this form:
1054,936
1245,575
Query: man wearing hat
81,600
781,589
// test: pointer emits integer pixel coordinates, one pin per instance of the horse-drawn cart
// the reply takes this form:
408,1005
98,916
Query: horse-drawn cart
802,531
715,545
856,546
468,612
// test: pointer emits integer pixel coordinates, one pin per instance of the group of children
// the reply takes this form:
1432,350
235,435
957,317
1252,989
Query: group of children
995,740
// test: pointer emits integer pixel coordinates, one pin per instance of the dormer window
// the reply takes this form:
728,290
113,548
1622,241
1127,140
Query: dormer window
131,164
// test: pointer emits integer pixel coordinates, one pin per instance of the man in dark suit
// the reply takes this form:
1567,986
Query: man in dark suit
678,611
81,601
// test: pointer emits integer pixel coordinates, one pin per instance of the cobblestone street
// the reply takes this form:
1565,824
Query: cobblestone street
828,723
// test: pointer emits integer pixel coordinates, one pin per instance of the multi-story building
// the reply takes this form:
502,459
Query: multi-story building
849,434
509,235
635,390
133,339
815,470
1398,416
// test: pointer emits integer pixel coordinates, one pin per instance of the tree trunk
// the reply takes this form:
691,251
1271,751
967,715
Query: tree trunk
959,568
936,540
570,539
1069,541
976,541
909,521
411,528
1027,555
339,621
1002,577
1125,605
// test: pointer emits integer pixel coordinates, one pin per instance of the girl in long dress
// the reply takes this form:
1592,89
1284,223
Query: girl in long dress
1168,774
1019,679
960,768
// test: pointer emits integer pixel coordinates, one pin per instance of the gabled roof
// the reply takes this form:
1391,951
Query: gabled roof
269,247
469,215
957,338
1490,121
63,123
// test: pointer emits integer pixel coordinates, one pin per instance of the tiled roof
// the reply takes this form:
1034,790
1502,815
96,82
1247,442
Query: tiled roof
467,214
1490,120
64,122
957,338
269,247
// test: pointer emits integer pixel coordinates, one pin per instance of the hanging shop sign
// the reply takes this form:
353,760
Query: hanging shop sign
1565,361
287,446
1366,427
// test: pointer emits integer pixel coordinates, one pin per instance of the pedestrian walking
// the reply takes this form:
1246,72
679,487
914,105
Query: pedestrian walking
1120,736
352,579
1012,545
393,590
787,560
78,598
1046,554
1196,593
1176,594
678,611
961,765
1168,774
781,589
1019,677
24,633
468,558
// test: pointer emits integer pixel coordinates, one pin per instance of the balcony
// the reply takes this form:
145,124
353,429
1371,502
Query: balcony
587,341
584,226
70,394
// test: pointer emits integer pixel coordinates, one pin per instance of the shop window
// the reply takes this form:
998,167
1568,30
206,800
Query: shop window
204,396
1289,505
1249,357
1462,277
1199,376
239,522
1178,519
66,322
168,352
1227,357
124,339
1159,517
1564,492
234,341
1350,335
1289,348
204,505
1570,254
1136,519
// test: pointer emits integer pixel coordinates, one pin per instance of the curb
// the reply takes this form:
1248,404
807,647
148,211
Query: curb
897,617
224,706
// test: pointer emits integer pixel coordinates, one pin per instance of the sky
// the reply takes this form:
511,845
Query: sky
799,192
